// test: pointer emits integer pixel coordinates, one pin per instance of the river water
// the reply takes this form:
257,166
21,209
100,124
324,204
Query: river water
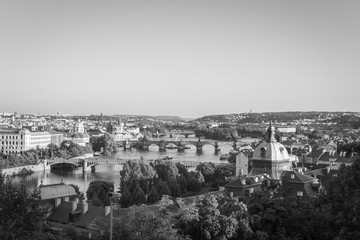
111,172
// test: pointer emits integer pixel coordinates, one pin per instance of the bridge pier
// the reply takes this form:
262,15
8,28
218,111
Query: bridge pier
199,148
180,147
217,149
86,167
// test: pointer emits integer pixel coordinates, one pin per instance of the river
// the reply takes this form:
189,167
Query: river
110,172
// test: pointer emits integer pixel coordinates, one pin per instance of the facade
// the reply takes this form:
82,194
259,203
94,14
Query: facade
56,138
270,157
39,139
14,141
242,165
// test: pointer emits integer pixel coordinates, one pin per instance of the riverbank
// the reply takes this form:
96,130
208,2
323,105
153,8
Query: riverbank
24,169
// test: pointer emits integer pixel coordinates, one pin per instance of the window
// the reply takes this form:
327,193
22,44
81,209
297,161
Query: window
262,152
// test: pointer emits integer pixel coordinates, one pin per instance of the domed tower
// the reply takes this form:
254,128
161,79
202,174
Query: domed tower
270,157
79,127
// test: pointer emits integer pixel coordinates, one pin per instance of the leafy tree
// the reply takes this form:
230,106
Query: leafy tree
207,170
153,196
126,199
20,211
139,196
174,188
181,180
143,223
162,188
99,189
193,184
166,170
135,171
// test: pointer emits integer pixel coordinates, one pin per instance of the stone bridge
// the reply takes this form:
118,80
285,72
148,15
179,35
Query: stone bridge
199,144
89,164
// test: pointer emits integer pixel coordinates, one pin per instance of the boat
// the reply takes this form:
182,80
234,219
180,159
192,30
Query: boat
96,153
224,156
165,158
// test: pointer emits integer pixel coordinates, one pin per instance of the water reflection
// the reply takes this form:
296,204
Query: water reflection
111,172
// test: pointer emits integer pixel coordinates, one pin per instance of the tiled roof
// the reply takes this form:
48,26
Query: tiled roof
286,176
56,191
61,214
316,153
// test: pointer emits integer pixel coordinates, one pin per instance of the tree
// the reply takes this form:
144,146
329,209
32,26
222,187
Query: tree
162,188
174,188
166,170
139,196
99,189
153,196
207,170
20,211
126,199
143,223
135,171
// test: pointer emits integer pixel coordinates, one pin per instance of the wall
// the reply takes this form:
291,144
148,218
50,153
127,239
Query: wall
24,169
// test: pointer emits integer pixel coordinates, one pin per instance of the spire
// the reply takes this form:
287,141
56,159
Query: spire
271,133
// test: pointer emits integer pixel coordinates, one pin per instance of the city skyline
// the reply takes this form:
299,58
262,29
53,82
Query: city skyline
187,59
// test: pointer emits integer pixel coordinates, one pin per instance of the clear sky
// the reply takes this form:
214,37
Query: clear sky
184,58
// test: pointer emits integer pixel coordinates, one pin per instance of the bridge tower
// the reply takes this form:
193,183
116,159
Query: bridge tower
199,146
86,167
162,146
235,145
217,148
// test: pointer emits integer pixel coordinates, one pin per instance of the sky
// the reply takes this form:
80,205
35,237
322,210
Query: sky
180,58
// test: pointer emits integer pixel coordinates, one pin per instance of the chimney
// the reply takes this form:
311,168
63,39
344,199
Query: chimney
85,206
73,206
256,179
328,169
231,194
107,210
292,176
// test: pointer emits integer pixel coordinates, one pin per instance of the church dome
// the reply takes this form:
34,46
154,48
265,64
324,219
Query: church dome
271,150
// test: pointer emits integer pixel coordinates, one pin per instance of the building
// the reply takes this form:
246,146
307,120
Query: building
270,157
56,137
14,141
298,184
39,139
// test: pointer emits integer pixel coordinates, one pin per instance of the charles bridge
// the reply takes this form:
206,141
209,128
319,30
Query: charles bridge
180,144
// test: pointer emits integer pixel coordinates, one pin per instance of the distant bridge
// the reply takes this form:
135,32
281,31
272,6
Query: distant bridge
180,144
89,164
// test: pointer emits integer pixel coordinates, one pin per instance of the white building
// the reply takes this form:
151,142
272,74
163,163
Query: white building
39,139
13,141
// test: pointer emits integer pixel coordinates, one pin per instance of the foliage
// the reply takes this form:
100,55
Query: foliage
20,211
135,171
126,199
144,223
98,190
166,170
162,188
105,143
207,170
139,196
153,196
